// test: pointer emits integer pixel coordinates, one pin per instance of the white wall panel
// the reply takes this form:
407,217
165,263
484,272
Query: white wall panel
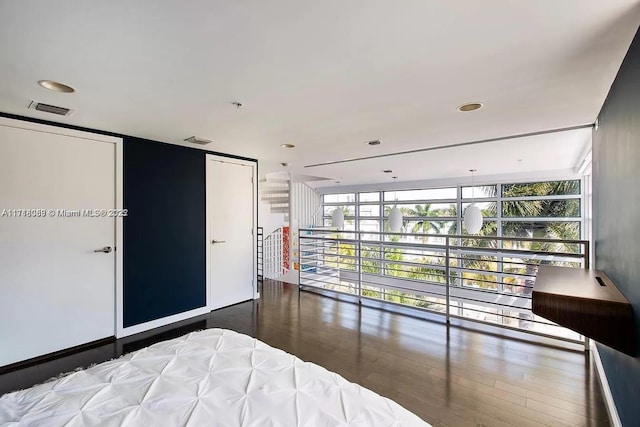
55,291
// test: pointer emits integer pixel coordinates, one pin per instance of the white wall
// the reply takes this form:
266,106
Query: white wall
267,220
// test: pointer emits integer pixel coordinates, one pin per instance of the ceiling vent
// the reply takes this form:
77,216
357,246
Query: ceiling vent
198,140
48,108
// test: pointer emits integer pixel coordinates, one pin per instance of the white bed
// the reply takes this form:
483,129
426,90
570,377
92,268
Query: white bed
214,377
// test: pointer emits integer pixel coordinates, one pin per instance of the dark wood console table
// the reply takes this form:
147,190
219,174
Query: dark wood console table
585,301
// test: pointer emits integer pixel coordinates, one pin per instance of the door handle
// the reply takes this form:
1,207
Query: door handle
106,250
213,242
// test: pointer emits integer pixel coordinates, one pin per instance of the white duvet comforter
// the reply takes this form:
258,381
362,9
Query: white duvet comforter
213,377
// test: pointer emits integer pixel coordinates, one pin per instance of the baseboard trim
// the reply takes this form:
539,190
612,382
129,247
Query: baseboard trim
55,355
142,327
608,397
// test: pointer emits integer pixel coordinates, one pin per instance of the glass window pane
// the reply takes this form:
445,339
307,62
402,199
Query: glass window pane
339,198
370,259
541,208
479,192
429,227
349,210
520,275
428,194
370,197
489,209
369,225
369,210
548,188
426,210
489,228
474,261
552,246
568,230
481,281
349,225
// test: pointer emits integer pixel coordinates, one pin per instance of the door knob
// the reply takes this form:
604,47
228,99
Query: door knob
106,249
213,242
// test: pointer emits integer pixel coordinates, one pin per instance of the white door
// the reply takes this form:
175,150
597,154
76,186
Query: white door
56,292
230,216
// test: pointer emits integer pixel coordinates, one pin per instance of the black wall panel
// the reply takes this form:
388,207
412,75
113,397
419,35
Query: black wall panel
164,233
616,206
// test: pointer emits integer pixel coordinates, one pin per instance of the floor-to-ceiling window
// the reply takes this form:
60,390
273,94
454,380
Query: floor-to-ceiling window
529,210
546,209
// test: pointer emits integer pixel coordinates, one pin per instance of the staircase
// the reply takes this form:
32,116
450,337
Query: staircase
289,196
275,192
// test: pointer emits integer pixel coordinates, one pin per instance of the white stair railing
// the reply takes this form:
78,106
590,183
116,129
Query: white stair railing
273,255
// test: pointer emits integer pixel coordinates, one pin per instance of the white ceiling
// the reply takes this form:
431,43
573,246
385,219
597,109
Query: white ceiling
326,75
556,152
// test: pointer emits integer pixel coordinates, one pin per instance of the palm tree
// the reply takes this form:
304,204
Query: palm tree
425,225
542,208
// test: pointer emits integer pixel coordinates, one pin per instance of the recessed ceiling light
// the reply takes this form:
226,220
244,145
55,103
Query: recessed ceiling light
287,146
387,171
56,86
374,142
470,107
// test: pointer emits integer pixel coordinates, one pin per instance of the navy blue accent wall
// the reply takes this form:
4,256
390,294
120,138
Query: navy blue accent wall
165,230
616,206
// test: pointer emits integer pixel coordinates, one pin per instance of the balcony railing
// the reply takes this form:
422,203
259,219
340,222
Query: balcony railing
482,278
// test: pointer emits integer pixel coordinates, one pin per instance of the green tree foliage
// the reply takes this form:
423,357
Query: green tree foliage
542,209
536,229
484,268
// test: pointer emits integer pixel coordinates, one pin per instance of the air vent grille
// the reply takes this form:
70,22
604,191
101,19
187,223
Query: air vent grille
48,108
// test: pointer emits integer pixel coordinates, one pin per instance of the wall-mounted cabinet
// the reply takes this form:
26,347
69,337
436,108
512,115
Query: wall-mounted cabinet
587,302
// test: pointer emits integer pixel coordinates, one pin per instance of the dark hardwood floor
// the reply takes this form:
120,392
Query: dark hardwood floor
466,374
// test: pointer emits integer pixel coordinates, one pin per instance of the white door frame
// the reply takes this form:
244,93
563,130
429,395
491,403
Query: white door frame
118,238
254,171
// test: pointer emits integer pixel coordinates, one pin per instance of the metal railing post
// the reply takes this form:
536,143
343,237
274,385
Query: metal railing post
447,278
359,267
587,255
300,259
586,267
400,275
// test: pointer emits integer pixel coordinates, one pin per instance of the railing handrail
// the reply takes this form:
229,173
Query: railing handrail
499,288
450,236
